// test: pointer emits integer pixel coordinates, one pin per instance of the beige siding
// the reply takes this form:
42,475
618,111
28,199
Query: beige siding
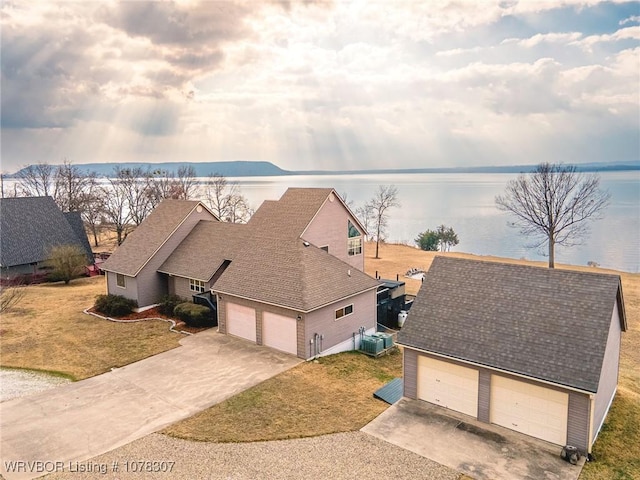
323,321
578,421
153,285
410,373
609,373
330,228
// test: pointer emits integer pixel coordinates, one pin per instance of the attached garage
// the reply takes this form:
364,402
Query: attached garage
280,332
448,385
241,321
531,409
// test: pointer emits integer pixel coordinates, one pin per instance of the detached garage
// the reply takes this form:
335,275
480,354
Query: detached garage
531,349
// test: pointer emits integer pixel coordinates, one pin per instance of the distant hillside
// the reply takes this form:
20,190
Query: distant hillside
204,169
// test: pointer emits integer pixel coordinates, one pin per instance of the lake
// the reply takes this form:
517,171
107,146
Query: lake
465,201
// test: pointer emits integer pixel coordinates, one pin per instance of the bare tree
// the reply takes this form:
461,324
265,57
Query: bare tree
37,180
186,182
70,185
386,197
93,207
554,205
115,207
67,262
365,215
134,182
10,296
226,201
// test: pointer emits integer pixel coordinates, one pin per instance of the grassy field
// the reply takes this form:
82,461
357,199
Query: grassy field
48,331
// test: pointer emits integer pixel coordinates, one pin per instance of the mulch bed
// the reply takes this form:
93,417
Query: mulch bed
154,313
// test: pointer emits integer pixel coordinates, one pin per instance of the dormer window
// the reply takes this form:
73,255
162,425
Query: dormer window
354,245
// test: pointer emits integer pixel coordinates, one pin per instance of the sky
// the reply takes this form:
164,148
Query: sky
320,85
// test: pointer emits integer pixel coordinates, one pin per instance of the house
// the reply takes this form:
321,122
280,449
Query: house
291,278
30,228
532,349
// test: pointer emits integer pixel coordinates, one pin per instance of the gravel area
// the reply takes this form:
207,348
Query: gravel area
340,456
16,383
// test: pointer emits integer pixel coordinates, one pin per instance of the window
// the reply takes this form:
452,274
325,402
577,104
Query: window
196,285
355,246
344,311
120,281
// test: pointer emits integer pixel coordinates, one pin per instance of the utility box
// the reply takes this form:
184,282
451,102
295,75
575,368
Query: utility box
387,339
372,345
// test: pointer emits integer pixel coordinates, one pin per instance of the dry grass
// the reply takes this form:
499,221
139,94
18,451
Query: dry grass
48,331
333,394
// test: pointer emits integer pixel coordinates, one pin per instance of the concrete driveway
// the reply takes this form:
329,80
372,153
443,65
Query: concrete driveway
477,449
80,420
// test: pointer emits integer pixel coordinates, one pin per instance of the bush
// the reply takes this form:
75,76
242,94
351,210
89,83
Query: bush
114,305
168,304
194,315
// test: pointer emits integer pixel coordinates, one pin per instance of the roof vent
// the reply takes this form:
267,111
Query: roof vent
349,272
305,243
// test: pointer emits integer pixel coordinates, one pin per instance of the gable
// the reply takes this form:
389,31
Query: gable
547,324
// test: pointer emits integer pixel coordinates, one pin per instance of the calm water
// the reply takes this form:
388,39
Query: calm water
466,202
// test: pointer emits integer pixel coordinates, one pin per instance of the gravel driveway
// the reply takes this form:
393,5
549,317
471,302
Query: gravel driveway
340,456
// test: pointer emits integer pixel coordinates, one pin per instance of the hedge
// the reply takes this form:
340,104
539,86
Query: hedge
194,315
114,305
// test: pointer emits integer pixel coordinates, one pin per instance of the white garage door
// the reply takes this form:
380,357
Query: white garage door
241,321
448,385
280,332
531,409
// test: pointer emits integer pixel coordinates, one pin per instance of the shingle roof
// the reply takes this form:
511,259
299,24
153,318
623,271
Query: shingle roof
205,248
77,225
150,235
290,273
543,323
30,227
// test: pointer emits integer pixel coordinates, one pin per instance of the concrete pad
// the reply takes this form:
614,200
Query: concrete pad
80,420
477,449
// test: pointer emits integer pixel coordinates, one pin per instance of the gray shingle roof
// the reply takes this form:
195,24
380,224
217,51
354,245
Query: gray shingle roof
30,227
150,235
75,220
543,323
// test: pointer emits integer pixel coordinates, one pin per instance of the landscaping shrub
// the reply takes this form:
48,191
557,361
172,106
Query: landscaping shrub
194,315
168,304
114,305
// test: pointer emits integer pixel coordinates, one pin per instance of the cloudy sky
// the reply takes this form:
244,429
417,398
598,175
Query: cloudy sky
320,85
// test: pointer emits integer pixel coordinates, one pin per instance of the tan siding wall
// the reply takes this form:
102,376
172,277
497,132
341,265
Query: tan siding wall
330,227
484,395
578,421
182,287
130,290
609,373
153,285
260,308
410,373
323,321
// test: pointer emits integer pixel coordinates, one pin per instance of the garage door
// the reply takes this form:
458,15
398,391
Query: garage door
280,332
448,385
531,409
241,321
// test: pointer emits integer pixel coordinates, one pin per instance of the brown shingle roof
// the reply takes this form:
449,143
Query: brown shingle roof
543,323
208,245
148,237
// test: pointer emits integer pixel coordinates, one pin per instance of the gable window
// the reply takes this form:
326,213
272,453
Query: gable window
354,245
344,311
196,285
120,281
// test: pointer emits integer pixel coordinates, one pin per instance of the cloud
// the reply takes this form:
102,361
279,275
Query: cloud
539,38
631,19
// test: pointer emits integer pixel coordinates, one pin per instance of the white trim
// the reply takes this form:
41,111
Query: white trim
606,412
344,346
200,284
495,369
344,314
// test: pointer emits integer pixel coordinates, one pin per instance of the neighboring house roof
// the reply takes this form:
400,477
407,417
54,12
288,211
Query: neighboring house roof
149,236
30,227
543,323
75,220
296,209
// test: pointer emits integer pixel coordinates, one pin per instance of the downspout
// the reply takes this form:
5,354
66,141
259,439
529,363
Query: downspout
592,402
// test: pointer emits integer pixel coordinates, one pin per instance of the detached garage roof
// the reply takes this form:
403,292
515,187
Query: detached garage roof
543,323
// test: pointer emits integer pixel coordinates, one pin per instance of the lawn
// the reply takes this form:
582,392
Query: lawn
330,395
48,331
